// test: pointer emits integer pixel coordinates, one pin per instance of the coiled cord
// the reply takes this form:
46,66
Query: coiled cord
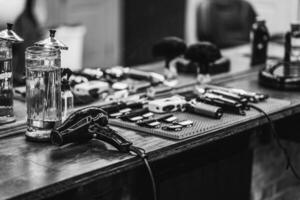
274,133
142,154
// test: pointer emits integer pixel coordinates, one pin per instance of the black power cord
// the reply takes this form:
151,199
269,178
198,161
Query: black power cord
274,133
142,154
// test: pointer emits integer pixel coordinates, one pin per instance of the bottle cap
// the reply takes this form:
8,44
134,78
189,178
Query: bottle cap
52,42
295,26
10,35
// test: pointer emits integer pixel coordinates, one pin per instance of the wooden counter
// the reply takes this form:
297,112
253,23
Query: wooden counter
215,166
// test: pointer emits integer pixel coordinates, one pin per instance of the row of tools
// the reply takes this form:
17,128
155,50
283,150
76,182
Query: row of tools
208,101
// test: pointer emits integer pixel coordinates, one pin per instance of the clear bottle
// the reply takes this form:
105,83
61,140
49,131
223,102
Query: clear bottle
7,38
43,91
67,99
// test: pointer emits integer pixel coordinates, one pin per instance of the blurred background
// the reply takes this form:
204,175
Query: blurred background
104,33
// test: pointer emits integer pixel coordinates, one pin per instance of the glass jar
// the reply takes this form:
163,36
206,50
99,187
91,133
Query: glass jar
43,91
6,82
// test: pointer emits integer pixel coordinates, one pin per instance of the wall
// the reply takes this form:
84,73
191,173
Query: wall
101,18
278,13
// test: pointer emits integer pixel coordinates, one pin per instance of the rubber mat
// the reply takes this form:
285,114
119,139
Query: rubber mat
204,125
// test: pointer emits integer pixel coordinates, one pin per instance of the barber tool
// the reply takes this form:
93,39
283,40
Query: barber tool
125,110
136,88
148,115
7,38
91,88
169,48
204,109
171,104
92,123
253,97
172,127
137,74
115,115
243,100
114,73
113,107
153,77
159,91
135,116
151,123
117,95
203,54
117,109
156,122
185,123
260,39
119,86
120,72
77,79
226,104
120,113
168,118
93,74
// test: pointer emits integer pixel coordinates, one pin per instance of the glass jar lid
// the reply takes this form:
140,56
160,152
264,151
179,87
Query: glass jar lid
52,42
10,35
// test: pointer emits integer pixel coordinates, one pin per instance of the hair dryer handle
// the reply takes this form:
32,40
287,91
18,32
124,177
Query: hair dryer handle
110,136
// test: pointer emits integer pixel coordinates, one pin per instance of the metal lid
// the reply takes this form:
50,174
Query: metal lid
10,35
52,42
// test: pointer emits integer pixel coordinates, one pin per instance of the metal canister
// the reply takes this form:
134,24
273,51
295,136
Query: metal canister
7,38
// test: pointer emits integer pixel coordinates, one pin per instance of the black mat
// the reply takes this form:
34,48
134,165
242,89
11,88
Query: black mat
204,125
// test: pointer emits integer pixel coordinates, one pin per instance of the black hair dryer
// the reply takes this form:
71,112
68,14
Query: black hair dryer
92,123
86,124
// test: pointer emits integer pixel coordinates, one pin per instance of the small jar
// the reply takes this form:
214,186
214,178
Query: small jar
43,91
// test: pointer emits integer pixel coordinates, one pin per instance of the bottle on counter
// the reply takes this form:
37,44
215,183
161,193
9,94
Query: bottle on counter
292,51
43,88
260,40
7,38
67,98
